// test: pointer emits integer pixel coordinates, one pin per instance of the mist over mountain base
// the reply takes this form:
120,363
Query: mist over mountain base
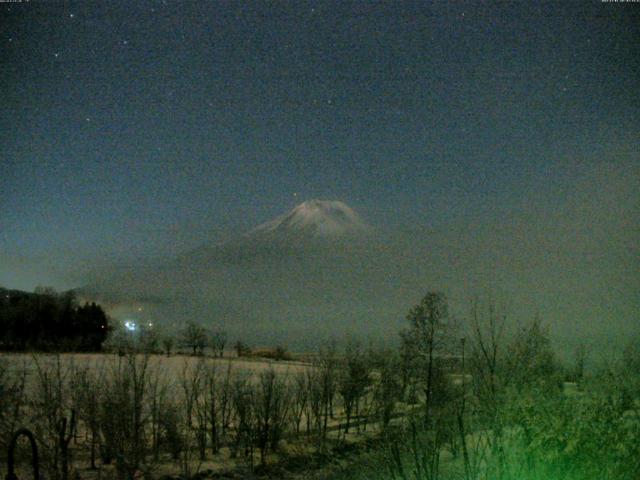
290,282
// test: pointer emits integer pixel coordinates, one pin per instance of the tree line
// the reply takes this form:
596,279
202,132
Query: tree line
459,399
509,409
48,321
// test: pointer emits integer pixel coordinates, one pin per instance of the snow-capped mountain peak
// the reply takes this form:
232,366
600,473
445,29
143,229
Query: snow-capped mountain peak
318,218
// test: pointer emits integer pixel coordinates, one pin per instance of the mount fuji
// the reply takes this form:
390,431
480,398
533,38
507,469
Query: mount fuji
320,270
314,218
315,227
307,270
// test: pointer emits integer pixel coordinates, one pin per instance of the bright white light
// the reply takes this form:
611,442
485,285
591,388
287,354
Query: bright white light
131,326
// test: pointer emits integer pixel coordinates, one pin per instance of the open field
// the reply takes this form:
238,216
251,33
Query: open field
170,366
186,414
350,413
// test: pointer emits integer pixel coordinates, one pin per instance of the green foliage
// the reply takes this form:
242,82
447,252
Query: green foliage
630,367
519,423
530,360
579,437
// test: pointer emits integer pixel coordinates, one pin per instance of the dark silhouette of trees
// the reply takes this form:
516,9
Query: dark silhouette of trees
353,380
50,321
194,337
218,341
242,349
424,340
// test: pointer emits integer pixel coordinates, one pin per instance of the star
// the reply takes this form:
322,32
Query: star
125,42
56,54
71,15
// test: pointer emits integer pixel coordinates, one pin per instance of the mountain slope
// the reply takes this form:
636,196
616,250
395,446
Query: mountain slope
315,227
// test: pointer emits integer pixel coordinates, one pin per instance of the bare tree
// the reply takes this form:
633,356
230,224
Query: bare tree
486,354
315,405
158,402
171,429
225,398
168,343
300,398
353,380
217,399
147,339
409,369
271,410
12,399
194,416
218,341
487,345
194,337
86,385
124,416
243,395
388,389
423,448
425,338
55,420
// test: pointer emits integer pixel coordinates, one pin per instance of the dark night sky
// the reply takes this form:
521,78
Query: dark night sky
133,129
